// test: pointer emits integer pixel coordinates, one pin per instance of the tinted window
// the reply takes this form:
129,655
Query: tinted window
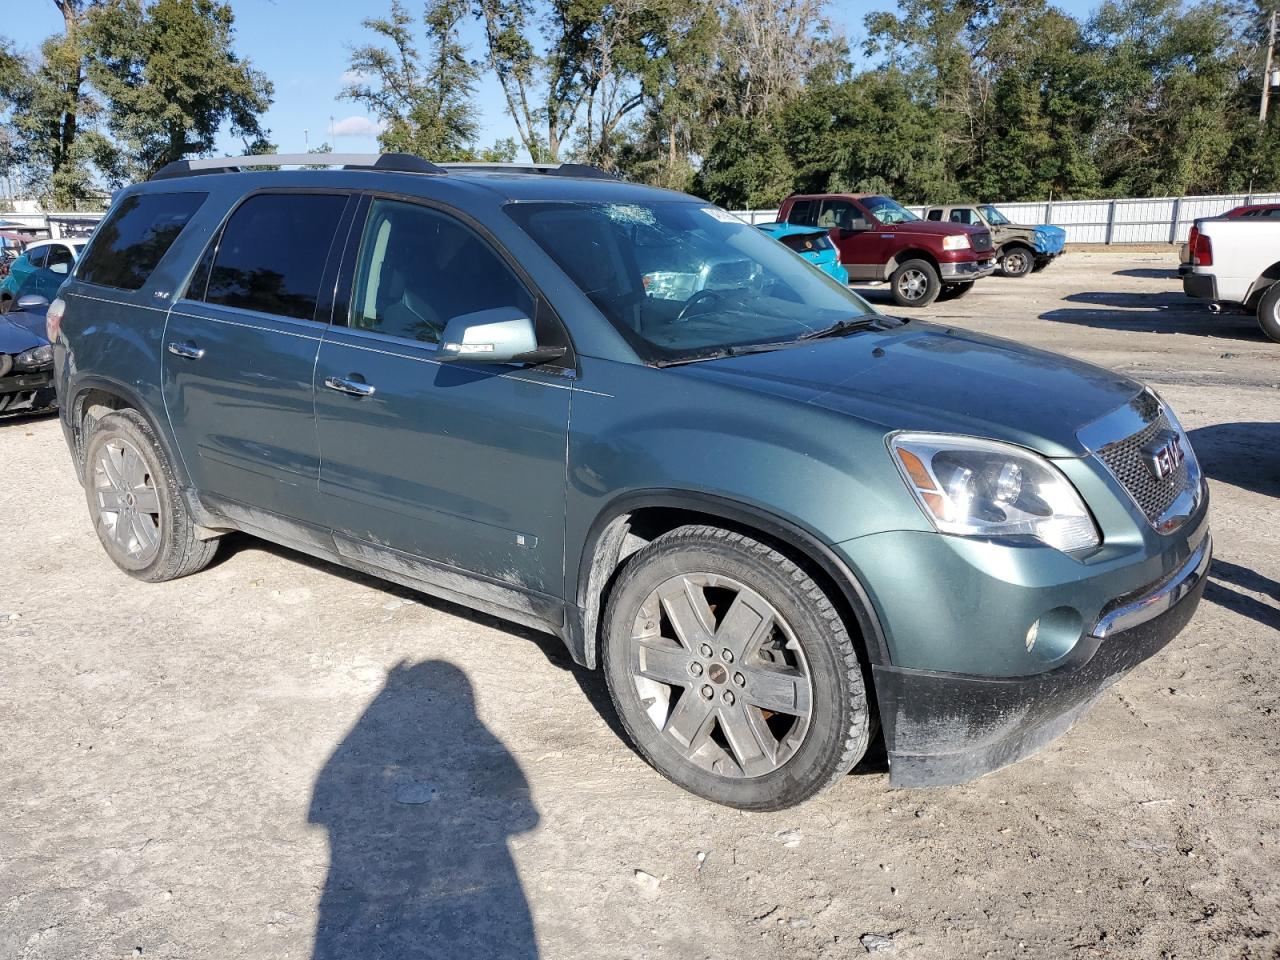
419,268
60,259
133,238
807,242
802,211
272,253
37,256
963,215
935,214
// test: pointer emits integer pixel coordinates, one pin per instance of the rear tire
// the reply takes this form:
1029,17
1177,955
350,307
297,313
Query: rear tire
136,503
1269,312
915,284
1017,261
732,672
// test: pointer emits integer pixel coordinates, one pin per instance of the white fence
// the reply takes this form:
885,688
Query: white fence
57,224
1154,220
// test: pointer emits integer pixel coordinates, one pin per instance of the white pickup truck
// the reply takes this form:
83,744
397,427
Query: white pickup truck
1237,261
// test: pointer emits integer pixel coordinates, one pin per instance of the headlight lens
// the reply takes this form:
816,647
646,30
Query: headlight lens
958,242
35,357
982,488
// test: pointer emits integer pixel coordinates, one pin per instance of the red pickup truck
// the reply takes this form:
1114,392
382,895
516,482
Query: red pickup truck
880,240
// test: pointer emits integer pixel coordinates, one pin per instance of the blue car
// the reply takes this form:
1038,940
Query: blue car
40,270
812,243
26,359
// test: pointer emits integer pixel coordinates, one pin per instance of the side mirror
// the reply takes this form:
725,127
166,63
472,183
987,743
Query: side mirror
499,335
33,301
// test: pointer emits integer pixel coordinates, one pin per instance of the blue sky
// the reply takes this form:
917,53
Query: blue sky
302,46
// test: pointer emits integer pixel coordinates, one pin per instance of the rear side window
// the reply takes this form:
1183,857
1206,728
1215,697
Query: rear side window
807,242
935,214
272,253
38,256
133,239
802,211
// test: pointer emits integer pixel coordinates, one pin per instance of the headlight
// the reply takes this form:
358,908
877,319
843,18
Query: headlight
35,357
981,488
959,241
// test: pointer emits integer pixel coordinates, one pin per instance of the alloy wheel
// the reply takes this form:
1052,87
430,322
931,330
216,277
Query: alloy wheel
912,284
720,672
128,503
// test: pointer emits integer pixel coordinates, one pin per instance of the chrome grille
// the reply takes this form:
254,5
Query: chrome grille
981,241
1128,461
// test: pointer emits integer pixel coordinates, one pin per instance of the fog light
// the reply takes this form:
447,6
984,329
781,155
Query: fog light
1032,634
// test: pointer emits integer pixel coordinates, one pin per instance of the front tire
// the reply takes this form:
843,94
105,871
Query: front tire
732,672
1017,261
915,284
1269,312
136,503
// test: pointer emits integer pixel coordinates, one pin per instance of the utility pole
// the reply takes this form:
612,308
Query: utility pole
1266,71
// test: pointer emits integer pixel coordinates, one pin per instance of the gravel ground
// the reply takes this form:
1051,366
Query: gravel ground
250,761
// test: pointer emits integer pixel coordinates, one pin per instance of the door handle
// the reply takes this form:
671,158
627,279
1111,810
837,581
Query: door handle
353,387
188,350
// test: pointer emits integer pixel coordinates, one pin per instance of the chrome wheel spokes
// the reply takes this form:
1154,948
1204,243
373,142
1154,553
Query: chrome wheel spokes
721,674
127,498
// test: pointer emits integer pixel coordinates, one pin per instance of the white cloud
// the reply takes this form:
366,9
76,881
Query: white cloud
357,127
351,77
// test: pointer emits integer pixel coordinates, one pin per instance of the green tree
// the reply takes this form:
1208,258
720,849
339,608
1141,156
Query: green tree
171,79
425,103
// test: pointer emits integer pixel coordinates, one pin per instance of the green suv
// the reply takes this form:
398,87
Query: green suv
778,520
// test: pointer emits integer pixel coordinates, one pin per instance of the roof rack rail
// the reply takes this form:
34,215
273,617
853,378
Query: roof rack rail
546,169
393,162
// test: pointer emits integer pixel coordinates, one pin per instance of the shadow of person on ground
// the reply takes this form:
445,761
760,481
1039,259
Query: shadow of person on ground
419,800
1245,455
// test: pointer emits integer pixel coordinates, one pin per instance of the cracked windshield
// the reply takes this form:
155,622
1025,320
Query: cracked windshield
683,280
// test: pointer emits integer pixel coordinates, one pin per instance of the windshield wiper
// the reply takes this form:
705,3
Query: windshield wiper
739,350
839,327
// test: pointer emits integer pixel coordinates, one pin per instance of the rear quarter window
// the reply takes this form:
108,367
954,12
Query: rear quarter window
135,237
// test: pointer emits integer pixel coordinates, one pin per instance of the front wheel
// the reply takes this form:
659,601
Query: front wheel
1016,262
915,284
732,671
1269,312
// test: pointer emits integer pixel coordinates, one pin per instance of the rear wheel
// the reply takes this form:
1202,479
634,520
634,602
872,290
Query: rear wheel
1016,261
954,291
136,504
915,284
732,672
1269,312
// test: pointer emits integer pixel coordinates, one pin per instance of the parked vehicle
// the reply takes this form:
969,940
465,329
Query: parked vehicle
768,512
39,271
812,243
880,240
1265,211
1020,248
26,359
1236,261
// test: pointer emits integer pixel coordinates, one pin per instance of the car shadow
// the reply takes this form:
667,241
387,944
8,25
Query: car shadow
1223,576
1163,312
19,419
419,801
1149,273
1245,455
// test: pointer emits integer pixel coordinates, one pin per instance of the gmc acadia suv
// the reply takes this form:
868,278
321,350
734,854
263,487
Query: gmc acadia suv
771,514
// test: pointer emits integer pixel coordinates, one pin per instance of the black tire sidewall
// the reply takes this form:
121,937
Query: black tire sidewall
839,695
932,288
134,429
1269,312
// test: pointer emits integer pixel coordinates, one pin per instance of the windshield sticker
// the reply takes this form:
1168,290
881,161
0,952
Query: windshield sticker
724,216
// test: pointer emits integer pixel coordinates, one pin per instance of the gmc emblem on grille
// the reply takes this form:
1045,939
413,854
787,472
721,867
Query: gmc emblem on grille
1164,455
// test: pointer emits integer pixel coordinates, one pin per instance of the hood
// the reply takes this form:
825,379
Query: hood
925,377
21,330
936,228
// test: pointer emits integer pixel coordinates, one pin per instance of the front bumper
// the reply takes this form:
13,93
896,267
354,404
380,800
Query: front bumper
943,729
967,269
23,382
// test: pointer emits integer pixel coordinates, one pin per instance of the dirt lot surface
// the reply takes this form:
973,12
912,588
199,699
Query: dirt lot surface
278,758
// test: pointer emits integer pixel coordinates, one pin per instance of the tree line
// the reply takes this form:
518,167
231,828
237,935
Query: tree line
740,101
